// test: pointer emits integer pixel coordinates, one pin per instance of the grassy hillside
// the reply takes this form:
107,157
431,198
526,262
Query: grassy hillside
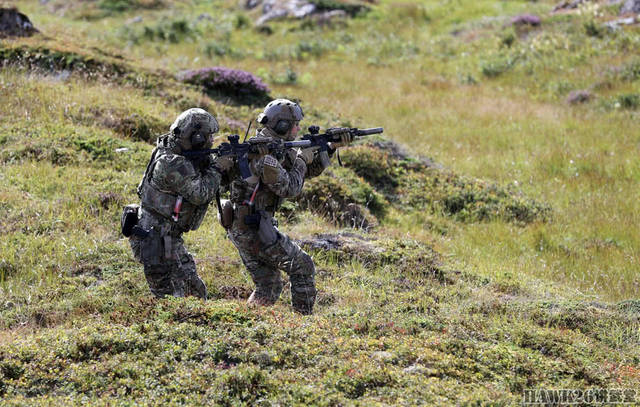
499,250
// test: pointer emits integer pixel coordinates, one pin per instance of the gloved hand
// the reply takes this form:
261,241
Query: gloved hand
306,154
224,163
262,149
345,139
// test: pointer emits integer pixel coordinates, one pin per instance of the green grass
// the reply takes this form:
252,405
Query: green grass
514,266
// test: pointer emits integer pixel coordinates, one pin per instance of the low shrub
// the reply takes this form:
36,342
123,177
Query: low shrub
630,101
228,84
416,184
119,6
353,9
496,67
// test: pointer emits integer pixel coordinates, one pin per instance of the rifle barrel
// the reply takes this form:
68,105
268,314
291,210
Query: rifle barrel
373,130
298,143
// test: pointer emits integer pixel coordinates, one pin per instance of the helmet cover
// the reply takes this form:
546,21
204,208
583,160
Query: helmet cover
193,129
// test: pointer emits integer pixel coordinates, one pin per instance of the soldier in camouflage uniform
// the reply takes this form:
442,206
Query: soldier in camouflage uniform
252,228
175,193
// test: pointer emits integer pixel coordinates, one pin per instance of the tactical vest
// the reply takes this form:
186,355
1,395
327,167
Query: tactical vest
163,203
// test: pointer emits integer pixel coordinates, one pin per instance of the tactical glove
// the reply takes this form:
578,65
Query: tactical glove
224,163
262,149
306,154
303,154
345,139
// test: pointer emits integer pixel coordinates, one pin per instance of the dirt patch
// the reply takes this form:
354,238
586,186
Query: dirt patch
233,292
15,24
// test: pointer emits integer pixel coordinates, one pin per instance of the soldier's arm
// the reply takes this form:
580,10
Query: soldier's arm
318,165
179,176
283,183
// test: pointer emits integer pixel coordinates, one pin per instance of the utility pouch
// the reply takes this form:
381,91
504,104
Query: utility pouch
129,219
238,191
267,232
241,212
225,216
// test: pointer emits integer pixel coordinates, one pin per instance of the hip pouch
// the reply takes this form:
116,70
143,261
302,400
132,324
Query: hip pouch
129,219
225,216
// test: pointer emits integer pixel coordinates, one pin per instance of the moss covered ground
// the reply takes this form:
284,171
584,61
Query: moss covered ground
486,244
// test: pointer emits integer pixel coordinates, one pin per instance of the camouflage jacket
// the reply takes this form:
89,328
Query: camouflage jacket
170,177
279,178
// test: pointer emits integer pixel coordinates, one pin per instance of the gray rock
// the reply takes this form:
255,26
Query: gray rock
273,9
630,6
205,16
134,20
267,6
615,24
303,10
271,15
328,17
382,356
568,5
415,369
251,4
15,24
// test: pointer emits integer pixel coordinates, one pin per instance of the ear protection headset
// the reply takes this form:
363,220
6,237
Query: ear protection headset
282,127
196,139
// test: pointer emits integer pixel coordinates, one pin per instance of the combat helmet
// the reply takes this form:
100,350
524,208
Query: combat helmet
193,129
280,115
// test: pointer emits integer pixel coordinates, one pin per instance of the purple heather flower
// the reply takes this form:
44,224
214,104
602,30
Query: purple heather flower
219,78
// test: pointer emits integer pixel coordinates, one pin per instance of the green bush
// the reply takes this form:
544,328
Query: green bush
353,9
629,101
119,6
592,29
631,71
497,66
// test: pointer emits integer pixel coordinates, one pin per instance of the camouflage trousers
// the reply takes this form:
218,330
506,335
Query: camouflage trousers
168,267
265,262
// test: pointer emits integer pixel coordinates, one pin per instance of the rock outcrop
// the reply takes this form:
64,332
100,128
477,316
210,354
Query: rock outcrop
15,24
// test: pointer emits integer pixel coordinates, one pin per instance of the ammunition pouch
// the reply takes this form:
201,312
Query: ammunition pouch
241,212
129,219
225,215
238,191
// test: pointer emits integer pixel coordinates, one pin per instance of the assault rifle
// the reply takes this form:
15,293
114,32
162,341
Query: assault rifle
255,145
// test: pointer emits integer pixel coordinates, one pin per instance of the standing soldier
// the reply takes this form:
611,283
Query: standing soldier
175,193
248,216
